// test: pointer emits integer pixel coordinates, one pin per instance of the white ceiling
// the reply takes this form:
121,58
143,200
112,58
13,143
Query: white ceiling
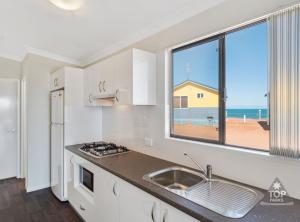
98,29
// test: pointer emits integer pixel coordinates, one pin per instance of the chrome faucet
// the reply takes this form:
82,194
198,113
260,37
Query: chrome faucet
207,173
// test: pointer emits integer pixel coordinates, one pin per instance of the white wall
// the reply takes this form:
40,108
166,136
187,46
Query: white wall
10,68
36,72
128,125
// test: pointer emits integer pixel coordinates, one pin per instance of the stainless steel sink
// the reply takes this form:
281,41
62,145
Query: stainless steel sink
175,179
223,197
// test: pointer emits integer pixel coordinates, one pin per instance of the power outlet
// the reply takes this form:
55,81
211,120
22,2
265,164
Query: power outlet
148,141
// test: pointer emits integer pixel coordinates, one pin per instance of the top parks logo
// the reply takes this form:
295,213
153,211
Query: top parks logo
278,195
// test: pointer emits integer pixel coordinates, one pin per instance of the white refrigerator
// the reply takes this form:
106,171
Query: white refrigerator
71,123
57,144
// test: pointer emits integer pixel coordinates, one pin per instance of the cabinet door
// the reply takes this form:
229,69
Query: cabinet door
86,88
171,214
107,85
57,80
91,85
123,77
106,198
136,205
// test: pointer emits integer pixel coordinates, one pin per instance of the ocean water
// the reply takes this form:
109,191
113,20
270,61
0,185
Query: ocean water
250,113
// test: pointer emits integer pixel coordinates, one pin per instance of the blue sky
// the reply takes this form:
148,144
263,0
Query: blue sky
246,66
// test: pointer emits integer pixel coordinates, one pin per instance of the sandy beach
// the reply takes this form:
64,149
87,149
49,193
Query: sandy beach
248,134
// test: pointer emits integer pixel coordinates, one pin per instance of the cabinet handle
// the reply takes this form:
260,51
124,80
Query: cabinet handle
114,189
152,213
117,95
90,98
165,216
99,86
55,82
82,208
103,86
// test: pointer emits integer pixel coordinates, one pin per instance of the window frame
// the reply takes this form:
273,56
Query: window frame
222,87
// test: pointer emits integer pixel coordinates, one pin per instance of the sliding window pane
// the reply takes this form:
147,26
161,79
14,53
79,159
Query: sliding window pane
247,119
196,83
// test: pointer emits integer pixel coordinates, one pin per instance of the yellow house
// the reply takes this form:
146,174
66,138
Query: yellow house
191,94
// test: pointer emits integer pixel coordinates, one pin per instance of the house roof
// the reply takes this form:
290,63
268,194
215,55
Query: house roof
197,84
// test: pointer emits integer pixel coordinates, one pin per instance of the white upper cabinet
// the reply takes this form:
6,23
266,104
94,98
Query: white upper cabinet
57,80
130,76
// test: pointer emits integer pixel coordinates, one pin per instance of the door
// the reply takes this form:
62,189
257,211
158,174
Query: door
57,79
171,214
8,128
138,206
108,76
107,194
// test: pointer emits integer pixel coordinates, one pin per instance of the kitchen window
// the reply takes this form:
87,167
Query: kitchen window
231,70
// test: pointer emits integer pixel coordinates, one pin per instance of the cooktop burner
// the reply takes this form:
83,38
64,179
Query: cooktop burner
102,149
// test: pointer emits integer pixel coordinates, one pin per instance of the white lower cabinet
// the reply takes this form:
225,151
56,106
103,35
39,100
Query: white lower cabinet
115,200
107,197
171,214
137,205
82,200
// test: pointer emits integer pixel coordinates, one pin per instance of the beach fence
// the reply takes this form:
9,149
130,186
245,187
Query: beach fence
209,116
197,116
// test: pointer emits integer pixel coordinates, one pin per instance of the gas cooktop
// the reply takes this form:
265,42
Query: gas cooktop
102,149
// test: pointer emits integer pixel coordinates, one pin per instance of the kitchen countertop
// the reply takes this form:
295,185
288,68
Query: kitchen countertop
132,166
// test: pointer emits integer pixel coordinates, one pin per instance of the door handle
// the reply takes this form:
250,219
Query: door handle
99,86
81,208
13,130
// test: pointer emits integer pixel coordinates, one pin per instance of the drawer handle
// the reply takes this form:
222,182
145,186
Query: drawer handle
82,208
99,86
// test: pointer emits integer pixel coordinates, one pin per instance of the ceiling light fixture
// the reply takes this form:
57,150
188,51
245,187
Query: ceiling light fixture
69,5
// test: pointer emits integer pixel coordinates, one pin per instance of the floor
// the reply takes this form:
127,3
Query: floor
18,206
